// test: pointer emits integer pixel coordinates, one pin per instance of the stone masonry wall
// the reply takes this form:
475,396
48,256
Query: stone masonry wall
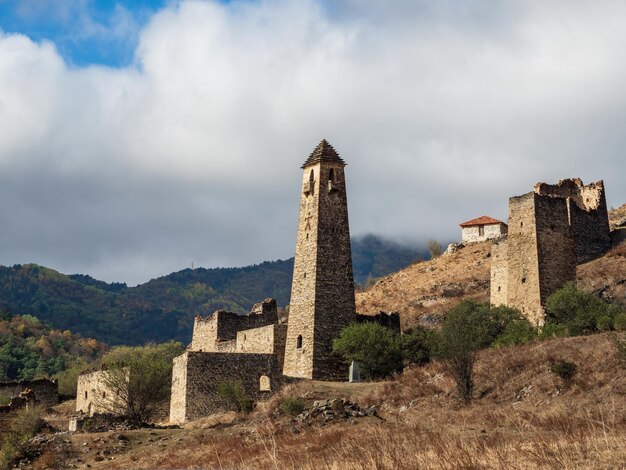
587,215
257,340
523,290
472,234
322,296
557,259
538,257
198,375
218,331
46,392
334,299
499,272
389,320
178,397
94,394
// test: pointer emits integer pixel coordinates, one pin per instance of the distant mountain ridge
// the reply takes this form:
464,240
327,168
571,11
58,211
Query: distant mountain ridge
164,308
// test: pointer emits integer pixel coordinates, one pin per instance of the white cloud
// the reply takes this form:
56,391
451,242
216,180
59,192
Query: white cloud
192,154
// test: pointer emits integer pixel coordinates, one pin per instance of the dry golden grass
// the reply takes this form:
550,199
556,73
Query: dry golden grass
431,287
617,215
523,417
606,274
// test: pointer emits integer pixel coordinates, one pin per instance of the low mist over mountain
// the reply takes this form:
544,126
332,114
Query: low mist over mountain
164,308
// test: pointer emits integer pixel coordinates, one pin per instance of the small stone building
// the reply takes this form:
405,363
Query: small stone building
481,229
96,394
227,347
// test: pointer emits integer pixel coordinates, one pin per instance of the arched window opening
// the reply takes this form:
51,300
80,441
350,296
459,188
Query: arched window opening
312,182
104,394
299,342
264,384
85,394
332,187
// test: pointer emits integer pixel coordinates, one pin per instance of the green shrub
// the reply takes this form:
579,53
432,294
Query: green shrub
87,425
620,322
374,346
417,345
518,330
579,311
471,326
68,379
140,377
4,399
292,406
26,423
235,396
458,342
604,323
552,330
434,248
565,370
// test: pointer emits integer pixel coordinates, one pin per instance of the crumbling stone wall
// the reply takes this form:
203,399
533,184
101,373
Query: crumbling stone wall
388,320
197,376
588,216
94,393
218,331
45,391
551,230
322,293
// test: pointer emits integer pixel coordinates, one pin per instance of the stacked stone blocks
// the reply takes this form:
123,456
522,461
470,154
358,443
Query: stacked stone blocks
551,230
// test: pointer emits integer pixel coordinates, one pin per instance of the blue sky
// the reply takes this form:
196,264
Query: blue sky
85,32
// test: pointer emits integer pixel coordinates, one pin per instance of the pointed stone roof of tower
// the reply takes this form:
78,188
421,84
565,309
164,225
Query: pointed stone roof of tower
324,152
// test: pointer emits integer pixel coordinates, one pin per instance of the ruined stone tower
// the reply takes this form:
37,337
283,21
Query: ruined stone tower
322,292
551,230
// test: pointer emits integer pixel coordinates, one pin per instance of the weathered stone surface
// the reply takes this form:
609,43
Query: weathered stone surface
322,293
587,215
480,233
218,331
388,320
325,411
45,392
94,393
499,271
196,378
551,229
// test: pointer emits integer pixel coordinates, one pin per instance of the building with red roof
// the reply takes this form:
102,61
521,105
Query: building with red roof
481,229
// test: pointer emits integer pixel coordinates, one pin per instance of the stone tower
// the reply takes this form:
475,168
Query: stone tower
551,230
322,291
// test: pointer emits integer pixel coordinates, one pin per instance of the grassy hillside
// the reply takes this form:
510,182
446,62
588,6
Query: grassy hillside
424,291
163,308
523,416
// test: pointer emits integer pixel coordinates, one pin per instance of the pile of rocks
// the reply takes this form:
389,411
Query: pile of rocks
56,445
324,411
